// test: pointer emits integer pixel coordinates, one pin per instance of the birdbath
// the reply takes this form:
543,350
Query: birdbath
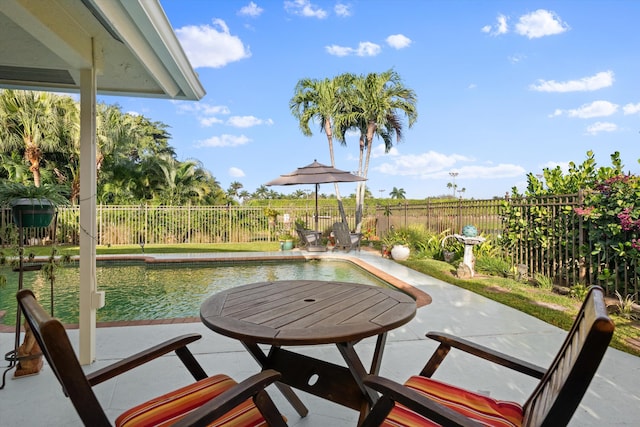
469,238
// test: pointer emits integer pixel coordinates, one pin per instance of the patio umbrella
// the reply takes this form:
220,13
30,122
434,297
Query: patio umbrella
315,173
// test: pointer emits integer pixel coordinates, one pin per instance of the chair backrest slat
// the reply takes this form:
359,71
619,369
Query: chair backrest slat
57,349
560,391
343,236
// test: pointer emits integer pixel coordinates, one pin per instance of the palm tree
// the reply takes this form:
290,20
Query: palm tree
397,193
453,187
261,193
65,165
374,106
318,100
180,182
14,168
30,122
234,190
117,134
244,195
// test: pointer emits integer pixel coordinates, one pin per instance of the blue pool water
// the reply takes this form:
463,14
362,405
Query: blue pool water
140,291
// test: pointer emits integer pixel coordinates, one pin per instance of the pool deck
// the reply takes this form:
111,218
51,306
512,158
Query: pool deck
613,398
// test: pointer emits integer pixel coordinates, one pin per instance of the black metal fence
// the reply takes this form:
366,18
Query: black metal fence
440,216
543,233
121,225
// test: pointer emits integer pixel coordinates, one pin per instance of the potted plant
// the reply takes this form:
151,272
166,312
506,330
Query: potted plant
286,241
386,243
32,206
449,246
399,243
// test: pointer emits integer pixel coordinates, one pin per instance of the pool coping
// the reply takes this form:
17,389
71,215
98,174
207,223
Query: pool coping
422,298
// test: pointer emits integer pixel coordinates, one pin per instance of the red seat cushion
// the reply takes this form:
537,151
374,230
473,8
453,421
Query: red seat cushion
169,408
487,411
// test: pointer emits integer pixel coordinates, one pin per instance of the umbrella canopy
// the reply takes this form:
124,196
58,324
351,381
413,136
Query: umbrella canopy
315,173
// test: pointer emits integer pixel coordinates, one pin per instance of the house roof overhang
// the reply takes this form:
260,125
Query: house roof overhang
130,44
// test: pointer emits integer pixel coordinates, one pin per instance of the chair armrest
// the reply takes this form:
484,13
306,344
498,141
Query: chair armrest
448,341
413,400
177,344
229,399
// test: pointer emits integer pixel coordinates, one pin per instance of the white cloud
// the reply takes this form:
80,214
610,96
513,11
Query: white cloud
587,111
252,10
378,151
500,27
224,141
518,57
342,10
502,170
419,164
435,165
247,121
368,49
631,108
206,114
304,8
398,41
211,45
585,84
339,50
364,49
599,127
209,121
539,24
211,109
236,172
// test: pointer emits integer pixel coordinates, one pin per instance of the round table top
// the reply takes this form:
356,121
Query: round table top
301,312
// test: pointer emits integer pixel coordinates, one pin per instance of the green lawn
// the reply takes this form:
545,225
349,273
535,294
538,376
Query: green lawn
156,249
558,310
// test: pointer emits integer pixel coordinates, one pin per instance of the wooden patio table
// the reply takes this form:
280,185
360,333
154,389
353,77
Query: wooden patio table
311,312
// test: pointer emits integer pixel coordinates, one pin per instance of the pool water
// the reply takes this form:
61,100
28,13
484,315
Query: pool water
140,291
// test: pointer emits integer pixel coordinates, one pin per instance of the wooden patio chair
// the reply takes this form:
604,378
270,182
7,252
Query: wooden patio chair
345,240
308,237
201,403
423,401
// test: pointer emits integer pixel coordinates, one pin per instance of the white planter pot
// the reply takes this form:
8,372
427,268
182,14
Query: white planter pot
400,252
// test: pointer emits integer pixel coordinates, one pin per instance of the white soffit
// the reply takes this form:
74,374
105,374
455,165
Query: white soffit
45,43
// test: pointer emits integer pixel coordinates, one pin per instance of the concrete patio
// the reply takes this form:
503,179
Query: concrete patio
612,400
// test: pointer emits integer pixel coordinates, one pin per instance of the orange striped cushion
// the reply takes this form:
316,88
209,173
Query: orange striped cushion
169,408
487,411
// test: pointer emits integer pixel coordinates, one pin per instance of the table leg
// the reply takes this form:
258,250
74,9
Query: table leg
286,391
359,372
377,354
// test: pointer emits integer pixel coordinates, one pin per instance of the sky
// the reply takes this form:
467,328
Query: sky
504,88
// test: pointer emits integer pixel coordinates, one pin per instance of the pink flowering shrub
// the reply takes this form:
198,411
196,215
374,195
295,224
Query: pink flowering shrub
612,211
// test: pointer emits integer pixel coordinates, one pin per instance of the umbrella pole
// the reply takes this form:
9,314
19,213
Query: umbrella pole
317,186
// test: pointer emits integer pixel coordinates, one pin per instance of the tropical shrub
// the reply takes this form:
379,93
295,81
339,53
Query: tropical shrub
604,201
544,282
493,266
612,211
625,305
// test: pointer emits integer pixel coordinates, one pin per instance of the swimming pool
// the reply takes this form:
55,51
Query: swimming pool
142,291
